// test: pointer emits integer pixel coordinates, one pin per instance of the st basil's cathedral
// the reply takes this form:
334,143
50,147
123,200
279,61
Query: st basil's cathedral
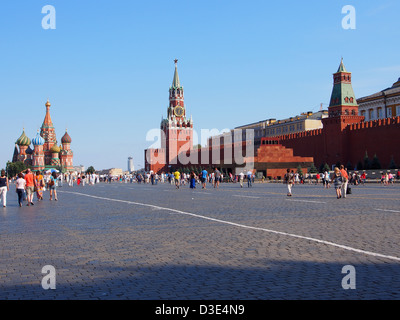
46,154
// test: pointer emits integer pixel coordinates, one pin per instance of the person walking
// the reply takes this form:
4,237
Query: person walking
326,180
30,186
249,174
203,179
241,178
39,185
53,186
217,178
337,181
4,188
345,180
192,180
177,176
20,184
289,181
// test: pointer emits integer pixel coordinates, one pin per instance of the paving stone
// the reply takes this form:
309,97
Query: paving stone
129,241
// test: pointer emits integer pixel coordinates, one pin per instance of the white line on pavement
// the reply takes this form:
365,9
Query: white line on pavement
252,197
374,254
388,210
305,201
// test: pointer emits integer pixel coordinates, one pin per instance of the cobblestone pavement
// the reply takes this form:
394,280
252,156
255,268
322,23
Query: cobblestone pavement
129,241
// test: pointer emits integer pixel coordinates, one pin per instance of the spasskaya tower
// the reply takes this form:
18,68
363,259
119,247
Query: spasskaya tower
176,128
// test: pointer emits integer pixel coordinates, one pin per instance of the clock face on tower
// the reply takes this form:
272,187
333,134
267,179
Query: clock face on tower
179,111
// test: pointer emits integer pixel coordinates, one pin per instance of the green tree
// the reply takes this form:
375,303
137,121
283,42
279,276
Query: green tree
90,170
313,169
299,170
392,164
13,168
326,168
360,165
367,162
376,163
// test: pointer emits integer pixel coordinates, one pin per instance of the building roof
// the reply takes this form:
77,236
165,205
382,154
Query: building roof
23,140
395,89
38,140
341,67
55,149
66,138
47,123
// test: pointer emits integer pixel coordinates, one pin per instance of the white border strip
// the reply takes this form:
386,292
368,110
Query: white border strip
310,201
374,254
388,210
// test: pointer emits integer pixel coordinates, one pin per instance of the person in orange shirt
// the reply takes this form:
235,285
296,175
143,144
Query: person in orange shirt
345,178
30,186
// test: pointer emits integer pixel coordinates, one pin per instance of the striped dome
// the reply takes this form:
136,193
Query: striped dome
38,140
23,140
55,149
66,138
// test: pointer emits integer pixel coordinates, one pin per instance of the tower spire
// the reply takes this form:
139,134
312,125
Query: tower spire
175,82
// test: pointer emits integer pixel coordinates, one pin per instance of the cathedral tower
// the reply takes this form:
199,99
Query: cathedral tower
48,133
38,154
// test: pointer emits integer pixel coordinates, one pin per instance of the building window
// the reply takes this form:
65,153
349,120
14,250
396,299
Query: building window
389,112
380,116
397,111
371,114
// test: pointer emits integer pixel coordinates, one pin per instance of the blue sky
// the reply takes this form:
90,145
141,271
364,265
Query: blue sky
108,65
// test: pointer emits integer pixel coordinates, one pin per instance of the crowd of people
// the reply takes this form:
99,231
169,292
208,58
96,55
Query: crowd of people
28,183
192,179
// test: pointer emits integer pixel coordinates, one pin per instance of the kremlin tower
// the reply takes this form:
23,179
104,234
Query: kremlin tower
177,129
176,132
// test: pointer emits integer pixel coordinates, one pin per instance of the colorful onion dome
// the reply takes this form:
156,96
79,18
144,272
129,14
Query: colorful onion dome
38,140
23,140
55,149
66,138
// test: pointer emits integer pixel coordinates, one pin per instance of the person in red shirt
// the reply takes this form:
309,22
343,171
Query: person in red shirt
30,186
363,177
345,178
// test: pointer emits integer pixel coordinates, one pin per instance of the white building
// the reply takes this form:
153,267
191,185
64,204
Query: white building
380,105
131,167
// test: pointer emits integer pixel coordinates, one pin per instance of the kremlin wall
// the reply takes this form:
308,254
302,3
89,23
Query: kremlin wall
344,137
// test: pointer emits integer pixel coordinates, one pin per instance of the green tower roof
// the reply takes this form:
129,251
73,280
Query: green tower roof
341,67
342,92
